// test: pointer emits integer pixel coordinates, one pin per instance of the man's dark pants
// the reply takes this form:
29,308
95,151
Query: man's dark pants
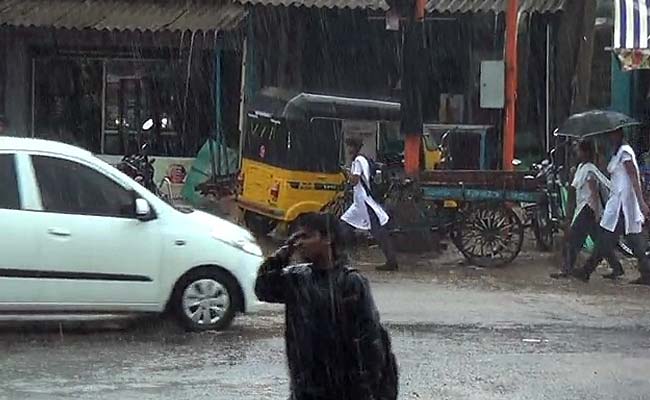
382,236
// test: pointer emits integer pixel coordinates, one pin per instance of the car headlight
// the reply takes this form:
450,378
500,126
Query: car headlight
245,245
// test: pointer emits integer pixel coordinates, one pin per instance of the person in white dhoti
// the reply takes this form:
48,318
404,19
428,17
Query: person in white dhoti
624,214
365,213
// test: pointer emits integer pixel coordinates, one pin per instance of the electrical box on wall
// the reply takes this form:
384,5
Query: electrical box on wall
492,84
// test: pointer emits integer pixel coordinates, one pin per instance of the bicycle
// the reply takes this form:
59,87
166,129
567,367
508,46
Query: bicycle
546,217
343,198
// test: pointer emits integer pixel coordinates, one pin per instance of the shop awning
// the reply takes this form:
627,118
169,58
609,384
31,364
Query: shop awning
123,15
433,6
631,23
494,6
351,4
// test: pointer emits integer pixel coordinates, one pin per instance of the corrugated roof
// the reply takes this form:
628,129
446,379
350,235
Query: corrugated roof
351,4
495,6
433,6
141,15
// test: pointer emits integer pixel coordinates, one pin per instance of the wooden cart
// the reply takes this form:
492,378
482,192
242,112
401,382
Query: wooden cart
473,208
484,227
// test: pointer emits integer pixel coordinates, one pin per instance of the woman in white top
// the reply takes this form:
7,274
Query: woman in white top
624,213
587,183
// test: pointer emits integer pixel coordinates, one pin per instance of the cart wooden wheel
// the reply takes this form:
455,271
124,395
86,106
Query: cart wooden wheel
488,235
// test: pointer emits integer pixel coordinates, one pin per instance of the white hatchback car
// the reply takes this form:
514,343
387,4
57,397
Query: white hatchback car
77,235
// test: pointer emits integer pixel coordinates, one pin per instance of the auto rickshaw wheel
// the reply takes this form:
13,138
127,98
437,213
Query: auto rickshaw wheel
260,225
488,235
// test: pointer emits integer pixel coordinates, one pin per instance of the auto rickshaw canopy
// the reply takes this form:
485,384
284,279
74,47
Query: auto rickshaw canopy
289,105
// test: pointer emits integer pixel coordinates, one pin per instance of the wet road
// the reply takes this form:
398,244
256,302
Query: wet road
452,343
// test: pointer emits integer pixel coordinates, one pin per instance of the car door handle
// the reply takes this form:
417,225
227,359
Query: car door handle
58,232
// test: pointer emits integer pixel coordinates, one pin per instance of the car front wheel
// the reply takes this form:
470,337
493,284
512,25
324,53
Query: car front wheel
204,300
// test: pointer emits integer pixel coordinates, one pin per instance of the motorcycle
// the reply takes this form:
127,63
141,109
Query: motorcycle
141,169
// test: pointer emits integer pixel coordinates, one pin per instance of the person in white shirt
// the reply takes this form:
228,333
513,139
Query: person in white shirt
624,214
587,183
365,213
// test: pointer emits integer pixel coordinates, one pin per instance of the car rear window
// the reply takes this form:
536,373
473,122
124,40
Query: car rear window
9,196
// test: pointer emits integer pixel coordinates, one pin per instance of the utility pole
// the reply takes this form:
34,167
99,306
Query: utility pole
510,125
411,104
582,76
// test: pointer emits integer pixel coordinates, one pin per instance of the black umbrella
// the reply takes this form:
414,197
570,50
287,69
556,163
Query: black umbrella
594,122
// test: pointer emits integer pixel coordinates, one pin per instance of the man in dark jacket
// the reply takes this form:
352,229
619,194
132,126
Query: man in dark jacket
336,347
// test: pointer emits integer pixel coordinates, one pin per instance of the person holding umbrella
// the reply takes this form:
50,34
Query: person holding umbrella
626,209
624,214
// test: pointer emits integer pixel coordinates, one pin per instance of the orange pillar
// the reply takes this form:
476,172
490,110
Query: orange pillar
420,6
509,125
412,143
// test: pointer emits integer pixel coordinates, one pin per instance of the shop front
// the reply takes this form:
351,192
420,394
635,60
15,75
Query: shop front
82,74
113,106
463,71
459,71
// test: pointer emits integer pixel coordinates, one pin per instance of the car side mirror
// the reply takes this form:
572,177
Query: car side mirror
143,210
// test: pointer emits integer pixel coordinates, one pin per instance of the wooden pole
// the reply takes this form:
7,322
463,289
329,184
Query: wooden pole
218,81
547,91
413,137
582,76
509,125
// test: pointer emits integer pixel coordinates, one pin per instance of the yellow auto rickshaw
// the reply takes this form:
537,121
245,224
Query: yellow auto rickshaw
292,151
